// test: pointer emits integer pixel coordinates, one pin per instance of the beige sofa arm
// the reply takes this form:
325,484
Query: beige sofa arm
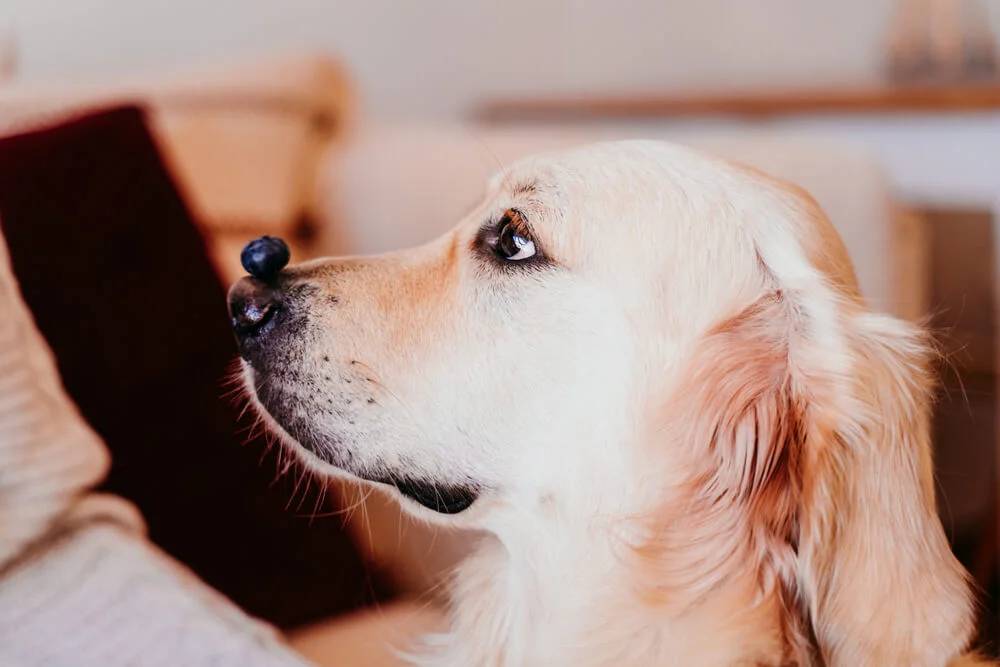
374,638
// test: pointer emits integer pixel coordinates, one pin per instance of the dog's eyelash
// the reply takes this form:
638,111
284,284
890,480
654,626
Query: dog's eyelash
489,234
516,218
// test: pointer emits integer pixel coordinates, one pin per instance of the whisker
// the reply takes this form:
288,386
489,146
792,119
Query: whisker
347,510
504,173
372,377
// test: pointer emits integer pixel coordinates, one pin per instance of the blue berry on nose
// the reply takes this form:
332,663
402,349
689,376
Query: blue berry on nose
263,258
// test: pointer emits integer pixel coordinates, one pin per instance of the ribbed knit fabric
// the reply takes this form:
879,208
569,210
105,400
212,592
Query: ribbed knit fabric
48,455
80,586
100,596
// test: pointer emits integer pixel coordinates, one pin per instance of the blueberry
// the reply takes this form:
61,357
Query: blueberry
263,258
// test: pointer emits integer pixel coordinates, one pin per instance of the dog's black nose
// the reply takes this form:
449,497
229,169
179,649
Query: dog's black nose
252,305
264,257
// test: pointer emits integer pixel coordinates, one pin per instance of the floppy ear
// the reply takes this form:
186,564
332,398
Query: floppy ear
875,569
812,469
733,524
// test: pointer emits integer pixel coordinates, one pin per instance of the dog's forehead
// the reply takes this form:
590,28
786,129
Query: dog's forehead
653,215
648,193
686,185
617,184
587,169
625,180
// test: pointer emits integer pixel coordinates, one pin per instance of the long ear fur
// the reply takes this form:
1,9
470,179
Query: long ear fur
875,568
812,469
734,522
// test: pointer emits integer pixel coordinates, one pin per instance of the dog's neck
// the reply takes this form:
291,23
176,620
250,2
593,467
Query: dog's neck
563,592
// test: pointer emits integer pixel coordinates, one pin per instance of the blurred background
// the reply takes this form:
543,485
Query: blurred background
442,59
358,127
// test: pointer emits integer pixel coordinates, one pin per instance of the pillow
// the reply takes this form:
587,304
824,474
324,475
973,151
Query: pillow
117,277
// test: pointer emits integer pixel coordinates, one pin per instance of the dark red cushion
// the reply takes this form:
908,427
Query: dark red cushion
117,276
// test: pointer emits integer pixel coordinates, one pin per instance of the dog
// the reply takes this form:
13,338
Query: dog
649,375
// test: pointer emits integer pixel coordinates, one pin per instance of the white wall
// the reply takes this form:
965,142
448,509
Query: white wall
435,58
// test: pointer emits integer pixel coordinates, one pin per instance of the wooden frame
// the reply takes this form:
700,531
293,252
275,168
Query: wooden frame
849,100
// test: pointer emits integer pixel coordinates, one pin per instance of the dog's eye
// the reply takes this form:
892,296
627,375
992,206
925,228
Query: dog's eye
513,241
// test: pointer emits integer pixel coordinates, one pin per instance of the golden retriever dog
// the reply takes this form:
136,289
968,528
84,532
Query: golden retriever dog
649,376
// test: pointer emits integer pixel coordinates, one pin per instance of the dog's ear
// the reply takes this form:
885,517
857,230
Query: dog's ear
747,411
812,469
733,519
876,573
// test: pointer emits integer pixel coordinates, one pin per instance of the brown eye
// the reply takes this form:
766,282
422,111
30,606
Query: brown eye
513,242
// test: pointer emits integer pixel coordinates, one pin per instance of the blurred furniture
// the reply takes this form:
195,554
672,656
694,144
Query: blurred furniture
243,139
941,40
965,427
987,569
369,638
939,144
758,105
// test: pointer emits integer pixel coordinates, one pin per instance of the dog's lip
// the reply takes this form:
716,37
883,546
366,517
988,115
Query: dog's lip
441,497
435,496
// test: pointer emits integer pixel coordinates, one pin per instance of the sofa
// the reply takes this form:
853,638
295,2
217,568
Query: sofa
274,146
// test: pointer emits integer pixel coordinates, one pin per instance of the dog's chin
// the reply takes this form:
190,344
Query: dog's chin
440,497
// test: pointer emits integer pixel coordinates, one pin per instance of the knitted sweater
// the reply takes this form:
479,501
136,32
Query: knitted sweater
80,585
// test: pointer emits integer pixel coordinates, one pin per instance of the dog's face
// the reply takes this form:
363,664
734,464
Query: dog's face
509,360
636,331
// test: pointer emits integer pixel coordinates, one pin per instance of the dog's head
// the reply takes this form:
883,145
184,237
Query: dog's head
639,333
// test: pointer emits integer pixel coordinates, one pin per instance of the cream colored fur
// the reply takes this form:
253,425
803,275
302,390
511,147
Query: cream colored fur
696,443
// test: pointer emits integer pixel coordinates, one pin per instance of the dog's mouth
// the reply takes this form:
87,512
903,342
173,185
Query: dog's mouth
440,498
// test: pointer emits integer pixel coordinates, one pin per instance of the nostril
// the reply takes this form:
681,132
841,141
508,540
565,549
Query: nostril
253,317
252,305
